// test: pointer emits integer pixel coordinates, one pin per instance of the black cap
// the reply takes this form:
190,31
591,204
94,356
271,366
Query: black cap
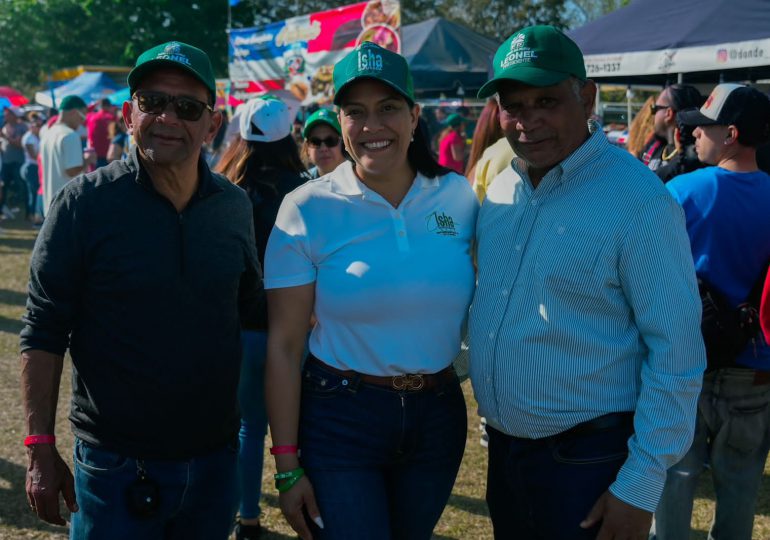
737,105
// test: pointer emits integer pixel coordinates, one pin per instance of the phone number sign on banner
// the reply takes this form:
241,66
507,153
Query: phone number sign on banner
299,54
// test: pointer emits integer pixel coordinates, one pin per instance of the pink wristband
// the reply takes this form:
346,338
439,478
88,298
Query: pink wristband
39,439
285,449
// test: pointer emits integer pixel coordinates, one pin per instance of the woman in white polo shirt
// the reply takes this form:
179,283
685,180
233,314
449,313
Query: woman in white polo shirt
379,251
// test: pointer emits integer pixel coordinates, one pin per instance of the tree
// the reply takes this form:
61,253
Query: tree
40,36
37,38
588,10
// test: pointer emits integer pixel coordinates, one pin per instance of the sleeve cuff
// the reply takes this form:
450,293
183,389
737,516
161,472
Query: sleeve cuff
289,281
639,490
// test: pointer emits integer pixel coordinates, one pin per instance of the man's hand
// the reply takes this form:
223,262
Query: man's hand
47,475
620,521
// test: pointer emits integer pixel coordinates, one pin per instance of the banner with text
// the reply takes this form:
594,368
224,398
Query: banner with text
299,54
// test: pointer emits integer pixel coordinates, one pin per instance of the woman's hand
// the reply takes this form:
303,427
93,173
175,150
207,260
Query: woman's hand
292,502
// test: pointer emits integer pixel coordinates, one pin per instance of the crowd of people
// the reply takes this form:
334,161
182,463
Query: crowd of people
591,288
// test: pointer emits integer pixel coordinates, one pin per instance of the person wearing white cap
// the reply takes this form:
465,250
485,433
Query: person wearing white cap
727,207
264,160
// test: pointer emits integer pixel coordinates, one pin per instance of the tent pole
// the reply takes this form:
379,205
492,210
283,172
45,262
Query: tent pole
598,102
629,94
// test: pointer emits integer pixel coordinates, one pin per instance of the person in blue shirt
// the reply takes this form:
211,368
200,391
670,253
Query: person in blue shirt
586,352
727,207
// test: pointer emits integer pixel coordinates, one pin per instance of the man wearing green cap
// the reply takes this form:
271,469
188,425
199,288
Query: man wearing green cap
586,352
61,151
145,270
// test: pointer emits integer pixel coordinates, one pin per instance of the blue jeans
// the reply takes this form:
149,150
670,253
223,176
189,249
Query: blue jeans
382,462
30,173
732,435
198,497
541,489
11,176
251,397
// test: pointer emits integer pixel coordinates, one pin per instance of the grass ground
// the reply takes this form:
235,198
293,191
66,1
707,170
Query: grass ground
464,517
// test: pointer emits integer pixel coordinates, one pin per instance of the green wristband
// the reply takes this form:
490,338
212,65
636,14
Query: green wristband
285,481
298,472
285,485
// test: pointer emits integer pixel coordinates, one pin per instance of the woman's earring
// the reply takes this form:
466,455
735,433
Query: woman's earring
412,139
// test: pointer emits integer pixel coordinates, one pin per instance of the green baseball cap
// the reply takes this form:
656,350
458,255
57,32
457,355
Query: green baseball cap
538,56
370,61
321,116
454,120
175,54
68,103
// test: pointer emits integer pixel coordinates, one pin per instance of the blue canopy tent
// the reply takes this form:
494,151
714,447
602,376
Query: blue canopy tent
660,41
445,57
91,86
120,96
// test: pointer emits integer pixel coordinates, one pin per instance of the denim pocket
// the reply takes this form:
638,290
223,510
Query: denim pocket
748,423
601,447
318,382
97,460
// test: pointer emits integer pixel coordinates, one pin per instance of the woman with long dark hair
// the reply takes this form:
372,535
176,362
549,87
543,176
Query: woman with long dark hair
263,160
379,250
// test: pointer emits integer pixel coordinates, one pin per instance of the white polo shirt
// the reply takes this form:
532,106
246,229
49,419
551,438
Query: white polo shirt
393,285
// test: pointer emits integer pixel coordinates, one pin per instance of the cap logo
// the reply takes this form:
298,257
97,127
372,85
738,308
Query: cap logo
517,42
709,101
368,61
173,52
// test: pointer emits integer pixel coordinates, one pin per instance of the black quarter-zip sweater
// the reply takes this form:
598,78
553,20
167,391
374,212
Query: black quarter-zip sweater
150,302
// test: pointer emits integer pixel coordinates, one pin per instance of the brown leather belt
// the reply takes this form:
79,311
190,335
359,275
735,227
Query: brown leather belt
406,382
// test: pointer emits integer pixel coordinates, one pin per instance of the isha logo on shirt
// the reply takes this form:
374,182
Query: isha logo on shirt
441,224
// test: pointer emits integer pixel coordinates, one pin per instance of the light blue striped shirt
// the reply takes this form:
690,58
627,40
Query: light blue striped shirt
587,304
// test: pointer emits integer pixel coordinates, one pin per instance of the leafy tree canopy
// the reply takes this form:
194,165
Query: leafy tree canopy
39,36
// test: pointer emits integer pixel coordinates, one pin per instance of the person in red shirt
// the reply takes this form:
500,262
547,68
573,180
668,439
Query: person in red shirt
97,125
451,146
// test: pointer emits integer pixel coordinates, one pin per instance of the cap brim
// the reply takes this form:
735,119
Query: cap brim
528,75
347,83
308,128
138,73
694,118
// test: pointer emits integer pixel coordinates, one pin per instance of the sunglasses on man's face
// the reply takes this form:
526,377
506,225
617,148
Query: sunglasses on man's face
329,142
654,108
185,108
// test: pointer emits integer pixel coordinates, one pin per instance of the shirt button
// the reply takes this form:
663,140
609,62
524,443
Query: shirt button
561,229
402,233
491,335
518,247
534,202
505,292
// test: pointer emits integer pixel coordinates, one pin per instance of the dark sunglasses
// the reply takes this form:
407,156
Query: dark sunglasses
329,142
185,108
654,108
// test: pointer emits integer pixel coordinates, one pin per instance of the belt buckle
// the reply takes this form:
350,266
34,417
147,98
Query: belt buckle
408,381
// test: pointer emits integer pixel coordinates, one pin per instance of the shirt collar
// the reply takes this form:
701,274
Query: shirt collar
585,153
345,182
206,186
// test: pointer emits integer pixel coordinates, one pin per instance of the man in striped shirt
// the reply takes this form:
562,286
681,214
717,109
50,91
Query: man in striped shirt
586,351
